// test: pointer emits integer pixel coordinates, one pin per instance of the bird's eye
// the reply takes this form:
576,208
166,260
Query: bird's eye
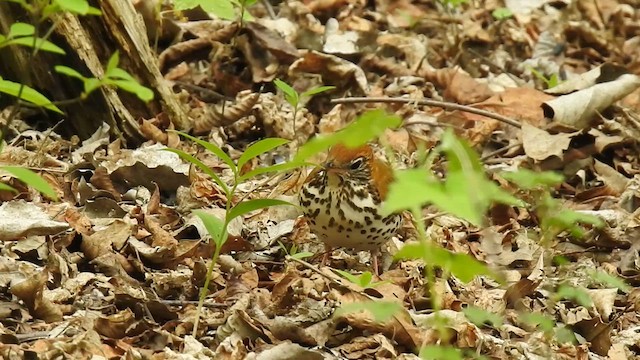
357,164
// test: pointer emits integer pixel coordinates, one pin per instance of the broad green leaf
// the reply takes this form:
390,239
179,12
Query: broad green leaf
529,179
462,266
143,93
482,317
80,7
440,352
290,94
221,8
113,62
213,149
365,128
273,168
69,72
207,170
252,205
315,91
21,29
214,226
32,179
259,148
382,311
610,280
28,94
39,44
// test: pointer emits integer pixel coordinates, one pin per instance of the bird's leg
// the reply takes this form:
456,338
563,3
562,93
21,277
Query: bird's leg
374,261
325,257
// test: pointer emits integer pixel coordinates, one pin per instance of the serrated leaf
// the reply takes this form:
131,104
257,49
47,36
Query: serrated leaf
252,205
382,311
365,128
258,148
214,226
213,149
28,94
207,170
33,180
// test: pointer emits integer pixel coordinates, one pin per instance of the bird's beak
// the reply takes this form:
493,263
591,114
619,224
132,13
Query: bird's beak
330,168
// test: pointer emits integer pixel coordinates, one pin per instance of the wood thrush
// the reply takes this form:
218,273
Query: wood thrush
342,201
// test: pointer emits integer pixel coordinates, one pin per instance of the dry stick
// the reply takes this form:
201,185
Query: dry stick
441,104
500,151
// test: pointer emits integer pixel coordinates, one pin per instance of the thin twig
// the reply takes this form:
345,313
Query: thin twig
269,8
500,151
441,104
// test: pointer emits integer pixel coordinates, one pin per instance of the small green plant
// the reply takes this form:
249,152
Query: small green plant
453,3
502,13
293,251
363,280
296,99
551,81
224,9
554,218
113,76
382,311
218,228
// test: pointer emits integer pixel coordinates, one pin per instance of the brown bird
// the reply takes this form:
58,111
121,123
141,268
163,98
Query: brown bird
342,201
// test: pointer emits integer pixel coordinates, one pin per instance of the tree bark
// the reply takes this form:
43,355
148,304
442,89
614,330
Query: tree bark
89,41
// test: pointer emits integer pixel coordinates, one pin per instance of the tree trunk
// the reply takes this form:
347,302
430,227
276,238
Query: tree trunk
89,41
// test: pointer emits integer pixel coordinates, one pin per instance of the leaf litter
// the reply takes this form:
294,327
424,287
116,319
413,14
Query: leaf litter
114,270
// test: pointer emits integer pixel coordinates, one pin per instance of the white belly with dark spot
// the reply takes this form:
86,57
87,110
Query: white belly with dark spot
352,228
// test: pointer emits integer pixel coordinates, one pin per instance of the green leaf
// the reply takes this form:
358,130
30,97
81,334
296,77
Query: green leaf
440,352
28,94
529,180
91,84
32,179
21,29
462,266
118,73
142,92
221,8
565,335
273,168
215,227
39,44
610,280
302,255
80,7
113,62
501,13
5,187
382,311
259,148
69,72
213,149
481,317
315,91
252,205
362,280
577,295
207,170
290,94
365,128
93,11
